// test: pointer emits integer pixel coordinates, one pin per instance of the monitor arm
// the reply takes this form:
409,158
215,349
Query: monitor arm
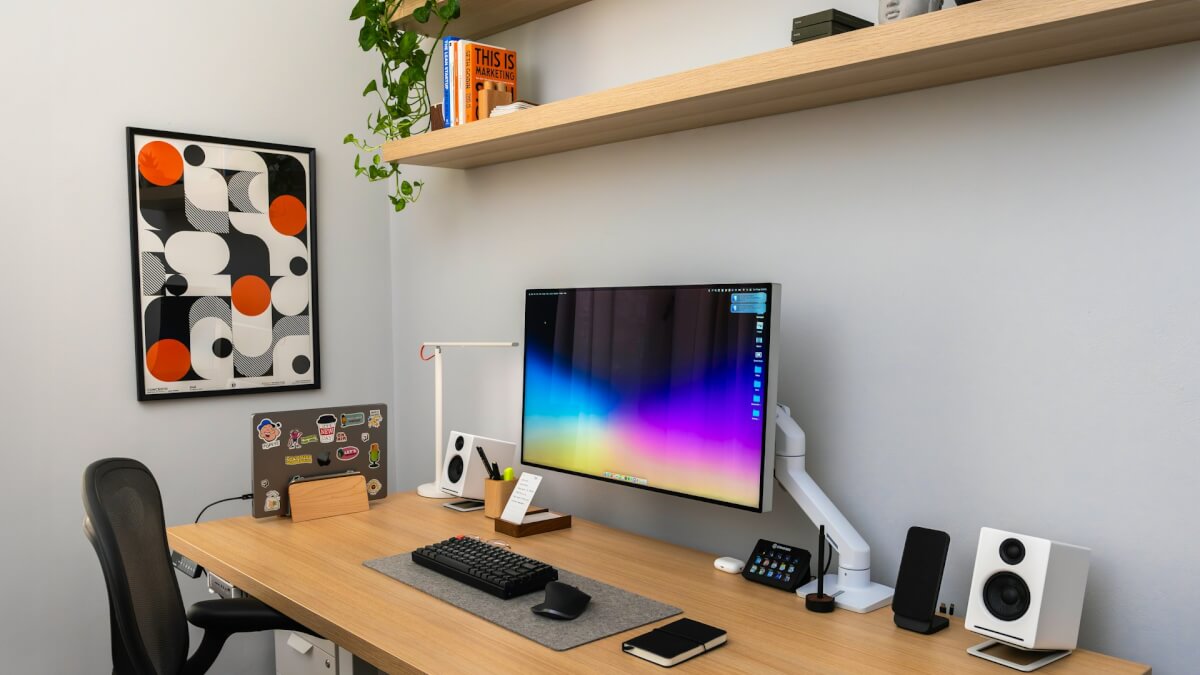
851,587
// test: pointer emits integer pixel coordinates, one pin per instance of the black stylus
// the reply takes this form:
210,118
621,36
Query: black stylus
486,464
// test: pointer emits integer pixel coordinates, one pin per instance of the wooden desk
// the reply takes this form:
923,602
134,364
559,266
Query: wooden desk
313,572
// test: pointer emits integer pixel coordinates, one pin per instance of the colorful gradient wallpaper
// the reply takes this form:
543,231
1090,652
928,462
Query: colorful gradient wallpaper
659,387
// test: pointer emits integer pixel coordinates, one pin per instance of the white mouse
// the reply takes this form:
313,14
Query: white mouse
727,564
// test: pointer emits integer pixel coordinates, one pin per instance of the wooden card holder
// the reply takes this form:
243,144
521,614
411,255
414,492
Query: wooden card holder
328,497
560,521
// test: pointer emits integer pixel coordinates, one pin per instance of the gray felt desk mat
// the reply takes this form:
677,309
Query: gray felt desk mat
611,610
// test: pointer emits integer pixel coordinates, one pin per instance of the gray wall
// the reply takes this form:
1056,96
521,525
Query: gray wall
75,75
989,306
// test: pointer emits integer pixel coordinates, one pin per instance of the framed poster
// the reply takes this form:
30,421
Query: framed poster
224,248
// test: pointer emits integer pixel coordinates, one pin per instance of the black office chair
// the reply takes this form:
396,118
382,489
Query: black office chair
149,631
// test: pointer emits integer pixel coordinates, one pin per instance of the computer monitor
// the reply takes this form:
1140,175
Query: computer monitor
663,388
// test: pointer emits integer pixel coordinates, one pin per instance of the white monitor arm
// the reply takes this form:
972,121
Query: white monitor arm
851,587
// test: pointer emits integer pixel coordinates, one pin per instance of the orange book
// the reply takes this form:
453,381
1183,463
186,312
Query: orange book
485,63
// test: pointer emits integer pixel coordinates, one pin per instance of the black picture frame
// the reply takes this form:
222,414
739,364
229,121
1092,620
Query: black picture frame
172,209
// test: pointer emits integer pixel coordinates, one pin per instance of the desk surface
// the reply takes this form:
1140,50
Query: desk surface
313,572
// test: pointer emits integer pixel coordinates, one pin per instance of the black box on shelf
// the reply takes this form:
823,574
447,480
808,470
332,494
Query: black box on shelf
824,24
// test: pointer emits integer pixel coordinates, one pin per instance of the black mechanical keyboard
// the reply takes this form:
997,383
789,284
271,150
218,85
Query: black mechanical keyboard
489,568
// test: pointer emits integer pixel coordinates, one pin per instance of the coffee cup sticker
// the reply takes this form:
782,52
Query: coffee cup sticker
293,460
353,419
326,427
341,437
272,502
269,433
375,420
294,439
373,456
374,486
323,459
347,453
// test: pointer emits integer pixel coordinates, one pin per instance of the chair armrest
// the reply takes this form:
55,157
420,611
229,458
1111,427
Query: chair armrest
239,615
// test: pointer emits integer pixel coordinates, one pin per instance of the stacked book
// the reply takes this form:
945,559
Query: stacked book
477,78
824,24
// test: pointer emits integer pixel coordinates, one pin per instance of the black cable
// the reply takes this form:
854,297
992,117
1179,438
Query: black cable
828,559
249,495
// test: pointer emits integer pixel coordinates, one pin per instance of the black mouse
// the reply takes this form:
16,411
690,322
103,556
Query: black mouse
563,601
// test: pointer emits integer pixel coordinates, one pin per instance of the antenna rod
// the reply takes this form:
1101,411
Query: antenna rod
821,563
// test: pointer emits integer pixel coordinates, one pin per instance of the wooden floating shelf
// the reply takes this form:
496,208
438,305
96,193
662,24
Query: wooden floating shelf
982,39
481,18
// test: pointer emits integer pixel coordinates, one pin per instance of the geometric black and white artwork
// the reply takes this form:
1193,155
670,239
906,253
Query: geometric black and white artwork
224,250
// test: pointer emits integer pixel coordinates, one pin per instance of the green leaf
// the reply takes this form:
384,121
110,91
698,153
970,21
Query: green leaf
367,37
348,139
408,42
406,188
448,10
371,86
360,9
357,162
400,204
421,14
375,159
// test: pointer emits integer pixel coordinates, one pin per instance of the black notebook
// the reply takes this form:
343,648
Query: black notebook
675,642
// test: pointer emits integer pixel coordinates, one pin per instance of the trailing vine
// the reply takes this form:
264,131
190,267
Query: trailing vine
402,87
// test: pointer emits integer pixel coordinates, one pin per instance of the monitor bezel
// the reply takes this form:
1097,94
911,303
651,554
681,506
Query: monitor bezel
766,474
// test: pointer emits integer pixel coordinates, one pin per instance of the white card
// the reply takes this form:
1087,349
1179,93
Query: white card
522,497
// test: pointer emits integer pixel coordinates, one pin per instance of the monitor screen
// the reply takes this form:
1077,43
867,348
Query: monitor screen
665,388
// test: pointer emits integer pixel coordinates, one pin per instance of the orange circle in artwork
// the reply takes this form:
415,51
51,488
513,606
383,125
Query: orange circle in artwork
168,360
288,215
251,295
160,163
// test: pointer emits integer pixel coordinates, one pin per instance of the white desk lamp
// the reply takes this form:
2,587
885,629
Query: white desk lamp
851,587
434,490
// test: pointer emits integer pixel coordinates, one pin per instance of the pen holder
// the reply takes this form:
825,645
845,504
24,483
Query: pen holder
495,496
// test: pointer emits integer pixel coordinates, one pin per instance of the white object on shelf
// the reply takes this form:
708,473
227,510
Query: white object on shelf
851,587
511,108
434,490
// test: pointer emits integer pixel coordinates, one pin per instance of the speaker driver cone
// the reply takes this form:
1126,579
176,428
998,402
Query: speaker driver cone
1012,551
455,470
1006,596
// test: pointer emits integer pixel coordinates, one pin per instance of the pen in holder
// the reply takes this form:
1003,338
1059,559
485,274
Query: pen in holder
495,496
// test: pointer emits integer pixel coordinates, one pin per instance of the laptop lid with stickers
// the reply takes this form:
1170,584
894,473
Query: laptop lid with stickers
288,445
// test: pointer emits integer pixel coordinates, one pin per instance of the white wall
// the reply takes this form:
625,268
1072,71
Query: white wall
75,75
989,308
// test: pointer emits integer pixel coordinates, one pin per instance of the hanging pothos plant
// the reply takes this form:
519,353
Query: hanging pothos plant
401,88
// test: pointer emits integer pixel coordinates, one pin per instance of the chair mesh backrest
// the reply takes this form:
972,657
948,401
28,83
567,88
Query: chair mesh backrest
124,506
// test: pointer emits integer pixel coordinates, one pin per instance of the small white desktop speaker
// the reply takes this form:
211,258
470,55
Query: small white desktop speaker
1027,592
463,472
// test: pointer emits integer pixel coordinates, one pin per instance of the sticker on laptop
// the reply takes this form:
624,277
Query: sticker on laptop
269,433
347,453
374,486
353,419
326,427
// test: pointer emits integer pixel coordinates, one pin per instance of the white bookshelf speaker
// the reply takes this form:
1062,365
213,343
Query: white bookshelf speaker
1027,592
463,472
